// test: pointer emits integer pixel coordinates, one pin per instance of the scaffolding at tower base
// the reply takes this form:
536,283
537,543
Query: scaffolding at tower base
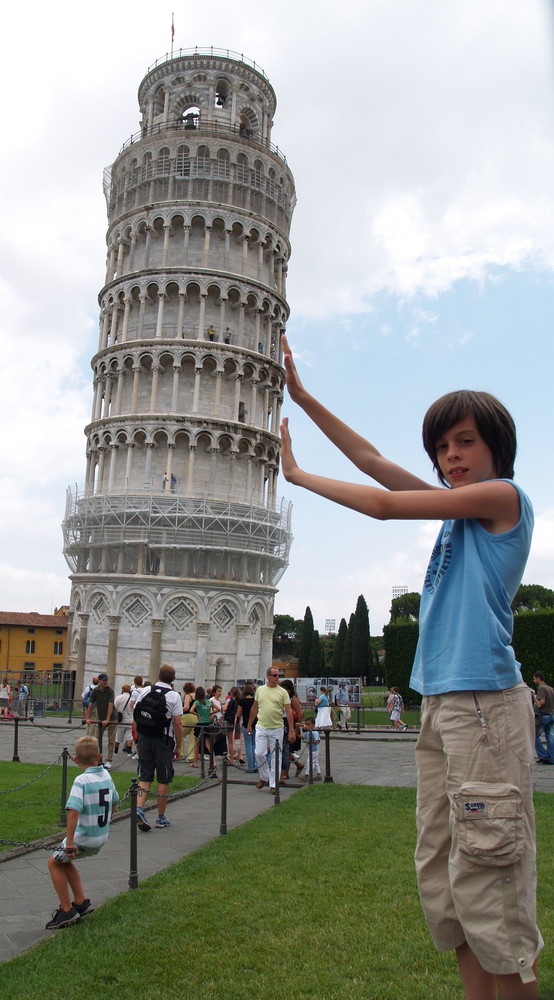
198,537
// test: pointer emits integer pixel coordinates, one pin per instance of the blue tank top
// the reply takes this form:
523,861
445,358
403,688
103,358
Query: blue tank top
465,621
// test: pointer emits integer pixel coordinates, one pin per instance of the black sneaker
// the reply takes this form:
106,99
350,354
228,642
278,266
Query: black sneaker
84,907
61,918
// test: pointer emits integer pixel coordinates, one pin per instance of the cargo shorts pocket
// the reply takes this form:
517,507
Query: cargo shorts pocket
489,823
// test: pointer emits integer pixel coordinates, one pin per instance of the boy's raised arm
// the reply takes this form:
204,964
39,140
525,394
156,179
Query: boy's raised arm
361,452
495,502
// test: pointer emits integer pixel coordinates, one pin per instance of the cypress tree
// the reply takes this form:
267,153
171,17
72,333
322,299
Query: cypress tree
306,643
347,652
314,663
338,651
360,639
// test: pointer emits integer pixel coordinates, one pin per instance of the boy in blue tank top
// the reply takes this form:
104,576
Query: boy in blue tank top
475,854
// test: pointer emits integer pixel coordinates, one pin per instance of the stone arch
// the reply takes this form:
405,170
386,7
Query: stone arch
146,168
163,160
158,101
256,615
192,317
99,604
223,164
182,162
182,609
203,160
224,611
135,605
248,119
223,89
189,108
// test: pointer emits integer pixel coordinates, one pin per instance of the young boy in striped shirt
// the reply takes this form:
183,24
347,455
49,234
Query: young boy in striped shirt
90,803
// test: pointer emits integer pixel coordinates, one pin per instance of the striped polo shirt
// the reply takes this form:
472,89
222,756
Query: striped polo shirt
93,795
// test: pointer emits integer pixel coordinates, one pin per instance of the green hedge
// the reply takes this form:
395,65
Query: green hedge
533,643
400,645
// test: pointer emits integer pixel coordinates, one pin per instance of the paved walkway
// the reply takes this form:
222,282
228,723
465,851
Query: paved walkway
27,898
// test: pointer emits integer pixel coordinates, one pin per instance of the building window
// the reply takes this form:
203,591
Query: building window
30,646
29,666
58,648
31,631
58,631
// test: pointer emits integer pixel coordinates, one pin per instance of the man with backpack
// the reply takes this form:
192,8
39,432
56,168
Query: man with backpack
157,717
85,698
22,699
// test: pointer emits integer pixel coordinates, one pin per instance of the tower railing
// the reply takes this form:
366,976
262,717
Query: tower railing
173,494
203,128
208,51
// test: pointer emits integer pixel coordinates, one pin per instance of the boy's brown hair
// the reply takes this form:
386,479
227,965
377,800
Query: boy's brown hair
492,420
87,751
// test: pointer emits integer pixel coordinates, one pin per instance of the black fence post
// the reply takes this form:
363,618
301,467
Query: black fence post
202,751
65,756
277,772
15,740
133,852
69,717
223,823
327,735
310,760
358,719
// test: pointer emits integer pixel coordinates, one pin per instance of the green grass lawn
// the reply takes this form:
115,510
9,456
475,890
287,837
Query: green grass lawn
315,900
34,811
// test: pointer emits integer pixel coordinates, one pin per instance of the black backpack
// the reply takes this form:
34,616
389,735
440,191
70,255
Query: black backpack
150,713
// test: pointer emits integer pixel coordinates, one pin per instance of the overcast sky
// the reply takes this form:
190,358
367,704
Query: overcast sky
421,138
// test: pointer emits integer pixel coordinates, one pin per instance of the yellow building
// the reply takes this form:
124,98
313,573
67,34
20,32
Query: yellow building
32,646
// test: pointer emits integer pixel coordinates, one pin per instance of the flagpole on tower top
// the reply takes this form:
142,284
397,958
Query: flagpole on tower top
172,32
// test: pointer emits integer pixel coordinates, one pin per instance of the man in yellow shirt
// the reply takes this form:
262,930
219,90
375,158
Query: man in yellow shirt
270,704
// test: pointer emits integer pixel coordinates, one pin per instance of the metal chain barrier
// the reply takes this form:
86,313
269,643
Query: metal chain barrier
33,845
131,795
55,729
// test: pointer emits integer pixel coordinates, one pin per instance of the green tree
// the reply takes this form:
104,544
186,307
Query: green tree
306,643
328,643
405,608
376,644
360,639
286,635
531,597
338,651
316,661
347,652
400,647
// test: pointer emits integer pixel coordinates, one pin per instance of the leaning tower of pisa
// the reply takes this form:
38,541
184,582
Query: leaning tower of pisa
176,540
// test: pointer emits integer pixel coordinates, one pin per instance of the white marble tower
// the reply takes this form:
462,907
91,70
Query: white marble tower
177,540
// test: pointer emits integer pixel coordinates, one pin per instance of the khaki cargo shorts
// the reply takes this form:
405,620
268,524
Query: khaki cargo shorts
475,854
